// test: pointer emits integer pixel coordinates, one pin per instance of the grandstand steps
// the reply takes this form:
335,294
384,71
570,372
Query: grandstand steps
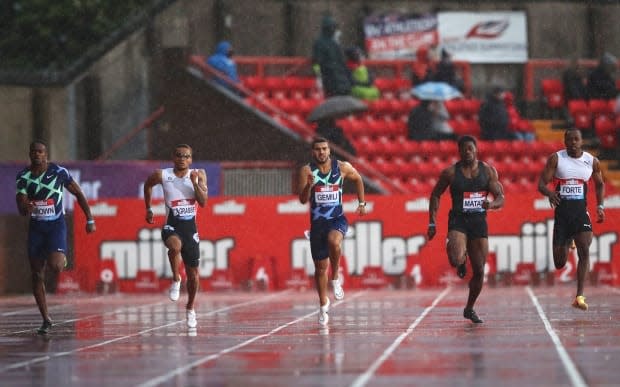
545,130
611,172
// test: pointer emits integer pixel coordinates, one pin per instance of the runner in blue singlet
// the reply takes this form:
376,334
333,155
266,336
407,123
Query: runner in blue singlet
320,183
40,188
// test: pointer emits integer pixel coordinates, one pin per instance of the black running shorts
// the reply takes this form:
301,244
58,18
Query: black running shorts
568,224
187,232
473,225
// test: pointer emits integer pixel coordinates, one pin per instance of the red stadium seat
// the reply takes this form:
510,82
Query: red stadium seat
600,107
553,92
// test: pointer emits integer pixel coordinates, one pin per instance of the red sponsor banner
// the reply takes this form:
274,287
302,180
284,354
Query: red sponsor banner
262,239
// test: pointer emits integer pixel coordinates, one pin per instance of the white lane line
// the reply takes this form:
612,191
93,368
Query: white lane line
27,363
574,375
115,311
365,377
34,308
177,371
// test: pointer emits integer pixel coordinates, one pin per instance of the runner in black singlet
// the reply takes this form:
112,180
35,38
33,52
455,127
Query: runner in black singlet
470,182
40,189
320,182
569,170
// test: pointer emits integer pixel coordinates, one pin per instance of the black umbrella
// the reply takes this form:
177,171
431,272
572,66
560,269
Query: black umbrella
337,107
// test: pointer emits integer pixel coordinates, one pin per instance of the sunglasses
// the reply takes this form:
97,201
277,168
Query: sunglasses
183,155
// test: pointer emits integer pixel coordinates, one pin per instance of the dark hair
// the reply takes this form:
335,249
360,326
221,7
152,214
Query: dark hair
34,142
318,139
466,138
572,129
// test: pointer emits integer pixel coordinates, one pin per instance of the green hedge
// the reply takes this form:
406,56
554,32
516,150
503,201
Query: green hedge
51,34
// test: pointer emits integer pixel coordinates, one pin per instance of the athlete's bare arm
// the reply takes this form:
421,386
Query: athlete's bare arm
199,180
349,172
306,180
495,188
445,179
76,190
546,177
151,181
599,186
24,206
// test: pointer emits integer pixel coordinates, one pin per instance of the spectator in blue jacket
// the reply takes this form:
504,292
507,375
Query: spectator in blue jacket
222,62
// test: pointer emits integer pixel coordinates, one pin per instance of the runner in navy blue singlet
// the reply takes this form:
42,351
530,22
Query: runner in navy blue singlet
569,170
40,189
184,188
320,183
470,182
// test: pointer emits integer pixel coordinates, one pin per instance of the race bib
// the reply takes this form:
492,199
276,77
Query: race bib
43,209
472,201
572,189
184,208
327,195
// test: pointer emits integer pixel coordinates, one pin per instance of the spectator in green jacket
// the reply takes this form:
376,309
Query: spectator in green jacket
363,82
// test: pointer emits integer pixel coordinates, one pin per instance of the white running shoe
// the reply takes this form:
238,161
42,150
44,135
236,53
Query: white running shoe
175,290
191,318
323,316
338,290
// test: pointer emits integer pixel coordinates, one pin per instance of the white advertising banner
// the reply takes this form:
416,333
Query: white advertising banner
484,37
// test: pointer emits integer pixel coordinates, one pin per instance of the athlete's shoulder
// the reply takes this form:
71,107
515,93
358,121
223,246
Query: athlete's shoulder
22,172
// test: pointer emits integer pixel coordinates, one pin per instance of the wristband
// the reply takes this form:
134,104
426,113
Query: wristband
362,204
600,207
90,221
431,225
148,209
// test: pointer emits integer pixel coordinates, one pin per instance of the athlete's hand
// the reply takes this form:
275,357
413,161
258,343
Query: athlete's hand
486,204
431,231
193,175
149,216
554,199
361,210
90,227
600,215
309,180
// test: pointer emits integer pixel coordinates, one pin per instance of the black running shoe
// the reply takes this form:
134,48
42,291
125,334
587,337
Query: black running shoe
461,270
45,328
470,314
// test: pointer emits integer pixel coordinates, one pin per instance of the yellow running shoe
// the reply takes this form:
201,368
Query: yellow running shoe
580,303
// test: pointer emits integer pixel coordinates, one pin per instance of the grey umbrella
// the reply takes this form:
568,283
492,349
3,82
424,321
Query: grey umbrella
337,107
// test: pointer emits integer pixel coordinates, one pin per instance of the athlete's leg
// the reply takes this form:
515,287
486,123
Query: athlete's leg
192,285
477,250
37,271
174,244
320,279
582,242
334,240
456,247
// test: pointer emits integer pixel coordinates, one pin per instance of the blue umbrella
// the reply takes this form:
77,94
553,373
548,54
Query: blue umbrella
436,91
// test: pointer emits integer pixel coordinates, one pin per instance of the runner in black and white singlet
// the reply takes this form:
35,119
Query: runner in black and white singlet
470,182
320,182
184,188
570,170
40,191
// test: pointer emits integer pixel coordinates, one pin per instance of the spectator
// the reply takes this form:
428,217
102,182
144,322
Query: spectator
575,81
422,68
493,117
601,83
363,82
327,128
328,60
429,121
521,128
446,73
222,62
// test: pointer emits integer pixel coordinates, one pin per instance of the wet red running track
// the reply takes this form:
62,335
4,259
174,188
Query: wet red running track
531,336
